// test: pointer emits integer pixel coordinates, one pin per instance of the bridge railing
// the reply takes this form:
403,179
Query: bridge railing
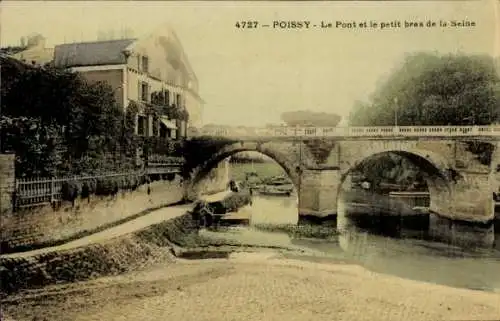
387,131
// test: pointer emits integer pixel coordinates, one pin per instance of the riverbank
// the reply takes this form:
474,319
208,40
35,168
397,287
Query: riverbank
52,279
159,237
253,286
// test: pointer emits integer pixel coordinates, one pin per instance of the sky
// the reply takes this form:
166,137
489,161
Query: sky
251,76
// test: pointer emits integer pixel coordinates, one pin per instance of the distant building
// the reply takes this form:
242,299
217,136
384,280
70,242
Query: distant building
36,52
135,69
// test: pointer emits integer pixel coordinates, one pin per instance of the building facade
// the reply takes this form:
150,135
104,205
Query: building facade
138,69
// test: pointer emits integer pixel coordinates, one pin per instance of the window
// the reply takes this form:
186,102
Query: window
139,63
141,125
145,64
143,91
178,100
167,97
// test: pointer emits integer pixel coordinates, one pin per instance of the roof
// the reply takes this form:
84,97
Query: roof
96,53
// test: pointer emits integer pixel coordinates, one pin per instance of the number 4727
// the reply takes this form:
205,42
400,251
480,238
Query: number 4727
246,24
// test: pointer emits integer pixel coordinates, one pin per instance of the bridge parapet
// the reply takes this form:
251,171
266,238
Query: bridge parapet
338,132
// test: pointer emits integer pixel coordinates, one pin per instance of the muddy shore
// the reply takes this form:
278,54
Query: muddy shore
157,273
252,286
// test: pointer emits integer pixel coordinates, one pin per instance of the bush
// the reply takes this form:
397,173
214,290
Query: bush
115,183
85,190
135,182
104,186
70,190
93,185
127,182
123,182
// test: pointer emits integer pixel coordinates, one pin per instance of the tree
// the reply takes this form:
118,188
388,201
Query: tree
361,114
54,118
389,168
309,118
430,89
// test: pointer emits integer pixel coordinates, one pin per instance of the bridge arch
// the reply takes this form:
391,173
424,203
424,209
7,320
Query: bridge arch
437,171
422,157
203,169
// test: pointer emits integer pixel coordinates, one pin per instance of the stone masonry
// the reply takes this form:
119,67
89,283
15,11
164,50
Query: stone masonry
7,183
461,174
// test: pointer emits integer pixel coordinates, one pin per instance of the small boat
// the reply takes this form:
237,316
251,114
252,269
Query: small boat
210,210
252,181
421,209
278,186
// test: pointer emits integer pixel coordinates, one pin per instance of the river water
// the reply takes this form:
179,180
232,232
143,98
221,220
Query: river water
410,258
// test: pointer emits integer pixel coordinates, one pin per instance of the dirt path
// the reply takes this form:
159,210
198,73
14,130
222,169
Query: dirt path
259,286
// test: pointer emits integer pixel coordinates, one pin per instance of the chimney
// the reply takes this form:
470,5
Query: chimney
37,41
41,42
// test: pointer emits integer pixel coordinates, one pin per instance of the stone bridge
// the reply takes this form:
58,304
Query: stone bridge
460,163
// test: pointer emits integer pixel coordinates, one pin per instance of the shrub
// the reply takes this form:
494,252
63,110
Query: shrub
134,182
70,190
104,186
115,183
123,182
92,185
85,190
127,182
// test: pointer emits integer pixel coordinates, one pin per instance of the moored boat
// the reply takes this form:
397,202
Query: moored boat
211,210
278,186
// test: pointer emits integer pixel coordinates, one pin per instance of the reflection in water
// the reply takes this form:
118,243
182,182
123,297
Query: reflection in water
274,210
417,260
408,258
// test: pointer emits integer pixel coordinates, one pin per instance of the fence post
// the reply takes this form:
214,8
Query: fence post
15,194
52,190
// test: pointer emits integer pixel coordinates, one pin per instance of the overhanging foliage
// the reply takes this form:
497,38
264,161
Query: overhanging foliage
431,89
427,90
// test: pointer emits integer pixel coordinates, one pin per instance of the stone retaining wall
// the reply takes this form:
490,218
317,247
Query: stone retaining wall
7,175
216,181
44,225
